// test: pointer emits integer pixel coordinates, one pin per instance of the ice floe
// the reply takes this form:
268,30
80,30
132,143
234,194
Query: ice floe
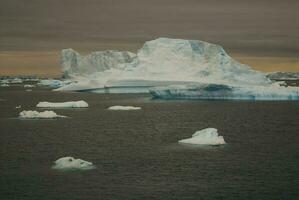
69,104
70,163
28,86
30,114
124,108
53,83
208,136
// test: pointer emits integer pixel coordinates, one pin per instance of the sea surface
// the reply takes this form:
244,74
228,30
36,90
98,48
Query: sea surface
137,154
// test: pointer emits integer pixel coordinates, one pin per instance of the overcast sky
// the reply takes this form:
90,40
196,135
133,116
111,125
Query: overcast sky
256,25
252,27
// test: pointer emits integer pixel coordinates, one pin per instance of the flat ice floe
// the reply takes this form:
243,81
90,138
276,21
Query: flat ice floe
4,85
30,114
70,163
69,104
124,108
224,91
208,136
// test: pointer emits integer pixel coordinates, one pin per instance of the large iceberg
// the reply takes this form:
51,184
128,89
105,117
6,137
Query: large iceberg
172,64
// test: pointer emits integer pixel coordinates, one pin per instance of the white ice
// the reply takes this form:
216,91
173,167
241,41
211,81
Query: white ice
208,136
69,104
4,85
124,108
30,114
53,83
70,163
19,106
28,86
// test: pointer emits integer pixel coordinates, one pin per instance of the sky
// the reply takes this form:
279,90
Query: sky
261,33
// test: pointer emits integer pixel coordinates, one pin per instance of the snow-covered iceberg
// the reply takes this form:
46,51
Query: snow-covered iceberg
70,163
69,104
124,108
30,114
208,136
168,63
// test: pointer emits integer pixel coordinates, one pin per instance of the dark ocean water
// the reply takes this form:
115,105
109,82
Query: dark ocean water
137,154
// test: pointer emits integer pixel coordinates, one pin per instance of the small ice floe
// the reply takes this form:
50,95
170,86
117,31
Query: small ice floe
19,106
28,90
70,163
124,108
4,85
53,83
70,104
28,86
16,80
208,136
30,114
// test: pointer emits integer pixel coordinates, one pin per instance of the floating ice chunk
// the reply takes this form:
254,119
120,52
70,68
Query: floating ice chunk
70,163
28,90
28,86
124,108
54,83
4,85
30,114
19,106
16,80
208,136
69,104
